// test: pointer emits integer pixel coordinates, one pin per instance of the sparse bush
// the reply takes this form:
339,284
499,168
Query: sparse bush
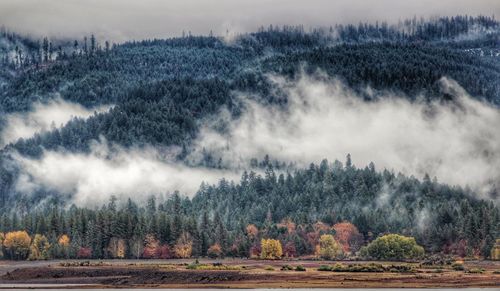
475,271
286,268
458,267
325,268
215,266
300,268
269,268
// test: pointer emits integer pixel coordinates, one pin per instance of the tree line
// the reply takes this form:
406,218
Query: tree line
295,209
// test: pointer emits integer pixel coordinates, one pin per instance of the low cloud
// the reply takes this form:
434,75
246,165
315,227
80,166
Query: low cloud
43,117
90,179
121,20
457,141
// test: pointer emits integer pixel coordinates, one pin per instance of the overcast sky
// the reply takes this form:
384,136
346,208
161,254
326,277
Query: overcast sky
120,20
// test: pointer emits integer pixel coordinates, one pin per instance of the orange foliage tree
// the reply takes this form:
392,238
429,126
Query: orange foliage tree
215,251
252,231
288,224
63,246
17,245
348,235
64,240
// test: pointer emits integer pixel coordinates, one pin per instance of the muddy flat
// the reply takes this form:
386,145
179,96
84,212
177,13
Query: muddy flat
240,274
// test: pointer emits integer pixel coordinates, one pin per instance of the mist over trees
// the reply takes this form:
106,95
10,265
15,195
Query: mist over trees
160,91
296,209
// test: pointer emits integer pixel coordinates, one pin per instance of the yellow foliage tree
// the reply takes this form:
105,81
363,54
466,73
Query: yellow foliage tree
117,247
184,246
64,241
328,248
63,246
39,249
17,244
495,251
270,249
2,236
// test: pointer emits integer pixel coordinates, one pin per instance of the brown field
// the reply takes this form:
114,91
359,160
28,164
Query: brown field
236,273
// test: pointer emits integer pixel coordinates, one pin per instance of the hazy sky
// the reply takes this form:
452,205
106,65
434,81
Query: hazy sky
120,20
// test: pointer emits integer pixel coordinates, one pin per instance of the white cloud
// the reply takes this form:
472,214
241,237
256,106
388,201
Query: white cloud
90,179
121,20
458,142
43,117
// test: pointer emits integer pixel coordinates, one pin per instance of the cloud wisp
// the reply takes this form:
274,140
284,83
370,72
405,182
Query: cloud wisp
91,178
43,117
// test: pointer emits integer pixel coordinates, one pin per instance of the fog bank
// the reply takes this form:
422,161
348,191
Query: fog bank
121,20
91,179
458,142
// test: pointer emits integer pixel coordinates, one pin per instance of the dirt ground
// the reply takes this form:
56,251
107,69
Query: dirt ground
239,274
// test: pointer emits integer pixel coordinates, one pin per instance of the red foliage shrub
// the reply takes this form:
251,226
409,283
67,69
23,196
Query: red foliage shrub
164,252
289,250
348,236
84,253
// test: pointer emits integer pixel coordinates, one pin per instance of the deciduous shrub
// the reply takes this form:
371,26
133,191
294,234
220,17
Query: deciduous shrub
329,248
393,247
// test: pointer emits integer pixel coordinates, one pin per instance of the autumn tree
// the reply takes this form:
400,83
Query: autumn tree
39,249
270,249
347,234
289,251
84,253
136,247
151,247
2,237
255,251
215,251
252,231
495,251
393,247
328,247
62,249
17,245
184,246
117,248
164,252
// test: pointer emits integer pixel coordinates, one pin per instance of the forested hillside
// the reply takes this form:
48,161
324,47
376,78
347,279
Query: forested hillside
162,92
